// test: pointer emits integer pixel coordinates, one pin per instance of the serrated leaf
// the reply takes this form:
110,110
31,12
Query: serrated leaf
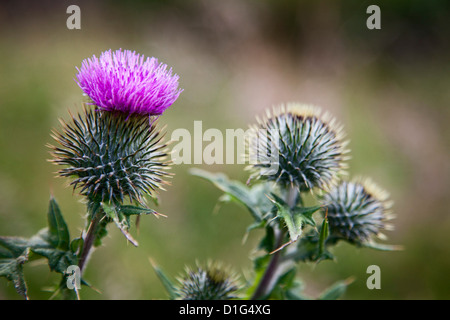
59,235
12,247
130,210
382,247
282,284
293,222
253,199
166,282
58,260
336,291
253,226
110,210
76,245
307,250
120,220
12,269
14,253
287,279
41,240
294,218
307,213
267,243
52,243
101,232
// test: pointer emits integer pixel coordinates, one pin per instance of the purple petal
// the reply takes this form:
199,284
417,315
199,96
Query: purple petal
127,82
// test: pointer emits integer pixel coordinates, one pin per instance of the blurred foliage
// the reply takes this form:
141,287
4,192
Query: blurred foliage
389,88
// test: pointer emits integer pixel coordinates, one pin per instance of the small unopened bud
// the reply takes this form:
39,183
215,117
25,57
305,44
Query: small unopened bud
357,211
305,147
213,282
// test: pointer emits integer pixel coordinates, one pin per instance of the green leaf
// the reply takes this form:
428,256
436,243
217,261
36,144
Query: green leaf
293,222
58,260
58,232
293,295
336,290
76,245
254,199
253,226
323,235
383,247
285,282
64,292
101,232
267,243
14,253
129,210
120,220
166,282
286,287
260,265
12,247
307,213
294,218
52,243
307,249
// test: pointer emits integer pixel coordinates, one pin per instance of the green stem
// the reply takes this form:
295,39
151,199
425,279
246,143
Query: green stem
272,269
89,239
274,266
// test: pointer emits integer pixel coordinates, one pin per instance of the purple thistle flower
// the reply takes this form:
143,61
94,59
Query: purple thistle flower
127,82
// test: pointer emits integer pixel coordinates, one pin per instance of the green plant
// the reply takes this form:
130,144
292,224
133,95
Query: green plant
297,151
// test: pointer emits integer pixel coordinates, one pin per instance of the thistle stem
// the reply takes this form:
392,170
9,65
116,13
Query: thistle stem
89,239
274,266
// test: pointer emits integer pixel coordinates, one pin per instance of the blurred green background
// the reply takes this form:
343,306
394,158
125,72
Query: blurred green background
389,87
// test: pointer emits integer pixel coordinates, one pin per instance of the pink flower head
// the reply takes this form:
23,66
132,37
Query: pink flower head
127,82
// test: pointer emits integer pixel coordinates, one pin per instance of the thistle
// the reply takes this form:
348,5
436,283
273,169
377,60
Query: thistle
113,152
357,211
110,157
303,148
127,82
213,282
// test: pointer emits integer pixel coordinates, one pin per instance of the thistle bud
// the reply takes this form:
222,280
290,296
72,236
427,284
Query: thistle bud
304,147
357,211
213,282
111,155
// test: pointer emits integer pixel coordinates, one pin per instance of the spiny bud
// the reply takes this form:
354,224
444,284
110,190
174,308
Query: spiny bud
213,282
297,146
357,211
111,155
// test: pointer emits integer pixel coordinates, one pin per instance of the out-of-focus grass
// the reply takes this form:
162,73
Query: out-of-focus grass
235,59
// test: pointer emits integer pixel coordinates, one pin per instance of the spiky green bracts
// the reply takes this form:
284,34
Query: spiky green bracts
112,156
112,150
212,282
297,146
357,211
